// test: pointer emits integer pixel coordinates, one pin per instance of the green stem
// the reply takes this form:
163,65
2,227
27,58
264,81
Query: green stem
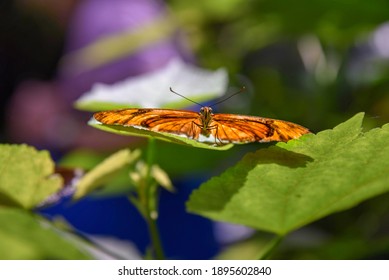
150,217
269,249
150,157
154,235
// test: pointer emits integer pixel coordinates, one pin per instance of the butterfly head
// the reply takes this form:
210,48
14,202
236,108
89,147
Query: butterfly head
206,112
206,118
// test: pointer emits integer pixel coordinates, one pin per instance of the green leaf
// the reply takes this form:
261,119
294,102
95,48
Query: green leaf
162,178
87,160
139,176
26,176
289,185
104,172
132,131
24,236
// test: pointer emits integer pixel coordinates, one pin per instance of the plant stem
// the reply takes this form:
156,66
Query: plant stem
150,212
154,235
269,249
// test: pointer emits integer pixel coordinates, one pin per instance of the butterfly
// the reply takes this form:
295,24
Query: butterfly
205,126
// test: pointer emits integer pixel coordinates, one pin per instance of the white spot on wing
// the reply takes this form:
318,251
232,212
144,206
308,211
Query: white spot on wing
211,139
93,121
139,127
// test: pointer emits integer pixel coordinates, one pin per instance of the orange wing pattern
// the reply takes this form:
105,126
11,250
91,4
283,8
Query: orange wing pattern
205,126
241,129
178,122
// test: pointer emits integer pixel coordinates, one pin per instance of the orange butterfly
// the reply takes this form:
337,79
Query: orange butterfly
205,126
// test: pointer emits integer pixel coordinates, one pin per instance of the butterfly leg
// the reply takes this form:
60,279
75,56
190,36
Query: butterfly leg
207,129
193,131
204,131
216,127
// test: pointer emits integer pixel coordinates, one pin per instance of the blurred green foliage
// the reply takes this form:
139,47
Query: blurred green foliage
264,45
32,237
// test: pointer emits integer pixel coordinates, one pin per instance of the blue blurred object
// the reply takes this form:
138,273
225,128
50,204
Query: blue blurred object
184,236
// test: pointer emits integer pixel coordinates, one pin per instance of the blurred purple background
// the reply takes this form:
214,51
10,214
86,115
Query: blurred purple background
48,102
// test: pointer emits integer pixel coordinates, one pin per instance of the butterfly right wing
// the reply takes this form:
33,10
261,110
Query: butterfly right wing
243,129
179,122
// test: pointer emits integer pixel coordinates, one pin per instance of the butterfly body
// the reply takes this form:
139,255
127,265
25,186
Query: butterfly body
205,126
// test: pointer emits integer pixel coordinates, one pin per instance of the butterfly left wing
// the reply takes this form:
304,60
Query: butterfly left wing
231,128
177,122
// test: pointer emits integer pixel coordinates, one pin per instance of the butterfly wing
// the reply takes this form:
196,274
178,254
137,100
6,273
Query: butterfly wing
222,128
178,122
243,129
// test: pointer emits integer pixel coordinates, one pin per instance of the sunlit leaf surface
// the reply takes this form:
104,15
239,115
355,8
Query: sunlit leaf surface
26,176
287,186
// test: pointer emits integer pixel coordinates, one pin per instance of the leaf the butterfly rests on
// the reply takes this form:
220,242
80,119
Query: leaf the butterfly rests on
204,126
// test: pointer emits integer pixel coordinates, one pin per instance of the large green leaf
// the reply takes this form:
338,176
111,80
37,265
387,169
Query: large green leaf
23,236
289,185
26,176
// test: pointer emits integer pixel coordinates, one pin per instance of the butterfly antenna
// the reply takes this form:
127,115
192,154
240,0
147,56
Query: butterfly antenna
186,97
242,89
